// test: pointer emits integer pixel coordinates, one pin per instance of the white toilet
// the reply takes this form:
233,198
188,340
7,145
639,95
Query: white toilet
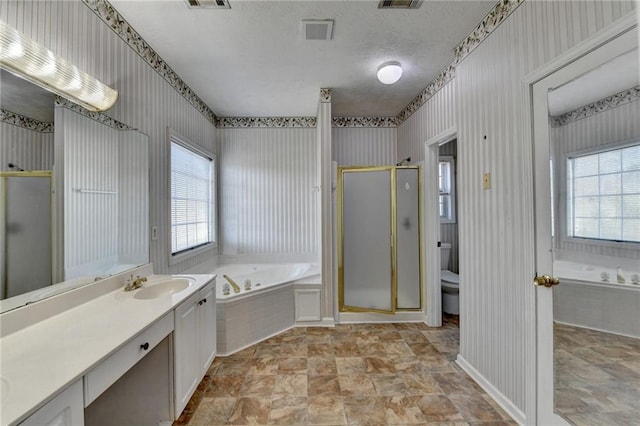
449,282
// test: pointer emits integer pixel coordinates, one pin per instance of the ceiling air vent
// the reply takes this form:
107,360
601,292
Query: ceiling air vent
315,29
399,4
209,4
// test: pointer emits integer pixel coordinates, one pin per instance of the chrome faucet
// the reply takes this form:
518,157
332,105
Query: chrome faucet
236,287
134,284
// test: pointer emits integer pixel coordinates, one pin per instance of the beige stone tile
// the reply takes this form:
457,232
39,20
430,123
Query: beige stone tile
389,384
288,411
320,350
293,366
398,349
402,410
323,386
377,365
224,386
258,386
264,366
373,349
437,408
475,407
365,410
351,365
293,349
291,384
234,367
356,384
346,349
213,411
421,384
326,410
322,366
250,411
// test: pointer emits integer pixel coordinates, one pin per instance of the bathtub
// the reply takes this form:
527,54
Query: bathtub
585,300
261,311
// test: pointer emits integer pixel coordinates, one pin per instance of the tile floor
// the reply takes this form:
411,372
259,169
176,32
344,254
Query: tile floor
597,377
364,374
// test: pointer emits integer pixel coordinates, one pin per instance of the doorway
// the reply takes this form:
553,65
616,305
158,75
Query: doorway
555,231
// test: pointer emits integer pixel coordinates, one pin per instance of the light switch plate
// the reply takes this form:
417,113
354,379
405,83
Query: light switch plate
486,181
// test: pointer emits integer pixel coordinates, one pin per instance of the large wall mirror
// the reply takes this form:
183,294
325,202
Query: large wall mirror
74,193
594,136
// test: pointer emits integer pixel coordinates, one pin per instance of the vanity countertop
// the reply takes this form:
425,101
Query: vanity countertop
40,360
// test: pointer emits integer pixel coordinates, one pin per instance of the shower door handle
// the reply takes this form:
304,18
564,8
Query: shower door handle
546,280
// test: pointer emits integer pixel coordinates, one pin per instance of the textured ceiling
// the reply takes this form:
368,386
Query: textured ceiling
251,60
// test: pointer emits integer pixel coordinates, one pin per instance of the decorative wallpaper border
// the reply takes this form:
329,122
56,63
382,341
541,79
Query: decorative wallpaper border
498,14
96,116
25,122
364,122
255,122
110,16
325,95
605,104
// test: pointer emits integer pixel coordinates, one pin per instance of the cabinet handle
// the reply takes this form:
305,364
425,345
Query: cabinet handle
205,300
200,302
144,346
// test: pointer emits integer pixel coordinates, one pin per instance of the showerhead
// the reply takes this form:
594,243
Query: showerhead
16,167
406,160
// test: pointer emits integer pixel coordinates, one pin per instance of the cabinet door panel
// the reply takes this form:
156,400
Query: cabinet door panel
207,326
187,355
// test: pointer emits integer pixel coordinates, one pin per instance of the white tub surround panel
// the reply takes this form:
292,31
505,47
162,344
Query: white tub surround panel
364,146
267,197
82,328
244,321
608,127
147,100
496,225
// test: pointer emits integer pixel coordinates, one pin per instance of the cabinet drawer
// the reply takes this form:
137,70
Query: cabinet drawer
111,369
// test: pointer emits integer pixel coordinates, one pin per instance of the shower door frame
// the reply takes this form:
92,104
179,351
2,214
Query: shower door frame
393,225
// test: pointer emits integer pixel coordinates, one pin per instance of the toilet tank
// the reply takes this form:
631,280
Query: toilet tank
445,252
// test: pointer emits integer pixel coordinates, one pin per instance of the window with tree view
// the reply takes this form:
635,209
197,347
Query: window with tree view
603,195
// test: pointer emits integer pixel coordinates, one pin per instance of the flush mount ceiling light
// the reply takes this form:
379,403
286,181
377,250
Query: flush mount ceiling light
35,63
389,72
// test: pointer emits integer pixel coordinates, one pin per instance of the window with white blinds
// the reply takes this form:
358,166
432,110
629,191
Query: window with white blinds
446,182
604,195
192,198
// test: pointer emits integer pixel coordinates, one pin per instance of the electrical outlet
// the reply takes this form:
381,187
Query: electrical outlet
486,181
154,233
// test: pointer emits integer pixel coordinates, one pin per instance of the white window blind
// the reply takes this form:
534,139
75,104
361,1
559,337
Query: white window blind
604,195
192,199
446,181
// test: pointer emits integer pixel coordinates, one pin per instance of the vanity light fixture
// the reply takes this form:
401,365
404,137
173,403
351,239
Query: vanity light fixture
389,72
33,62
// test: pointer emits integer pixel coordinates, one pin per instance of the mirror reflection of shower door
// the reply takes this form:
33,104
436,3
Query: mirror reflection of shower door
365,268
26,232
408,238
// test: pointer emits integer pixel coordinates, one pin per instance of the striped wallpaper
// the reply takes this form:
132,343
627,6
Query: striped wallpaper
268,203
29,149
369,146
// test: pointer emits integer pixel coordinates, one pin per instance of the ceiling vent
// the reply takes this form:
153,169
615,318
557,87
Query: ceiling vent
316,29
209,4
399,4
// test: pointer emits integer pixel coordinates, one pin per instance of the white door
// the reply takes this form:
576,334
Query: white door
606,46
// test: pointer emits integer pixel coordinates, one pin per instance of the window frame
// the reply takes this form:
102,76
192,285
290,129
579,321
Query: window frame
451,219
210,247
565,212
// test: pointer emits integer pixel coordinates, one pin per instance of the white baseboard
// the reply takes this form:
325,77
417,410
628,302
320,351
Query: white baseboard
492,391
324,322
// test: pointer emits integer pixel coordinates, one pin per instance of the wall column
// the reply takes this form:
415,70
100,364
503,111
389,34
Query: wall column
325,229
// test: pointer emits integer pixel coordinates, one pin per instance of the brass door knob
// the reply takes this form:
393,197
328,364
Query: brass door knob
546,280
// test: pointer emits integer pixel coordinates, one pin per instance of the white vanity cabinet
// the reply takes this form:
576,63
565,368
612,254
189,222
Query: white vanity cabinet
66,409
194,343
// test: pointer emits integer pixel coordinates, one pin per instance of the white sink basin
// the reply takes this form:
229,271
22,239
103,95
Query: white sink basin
162,288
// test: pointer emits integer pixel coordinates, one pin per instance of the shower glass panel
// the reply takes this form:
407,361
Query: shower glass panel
25,234
366,249
408,238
